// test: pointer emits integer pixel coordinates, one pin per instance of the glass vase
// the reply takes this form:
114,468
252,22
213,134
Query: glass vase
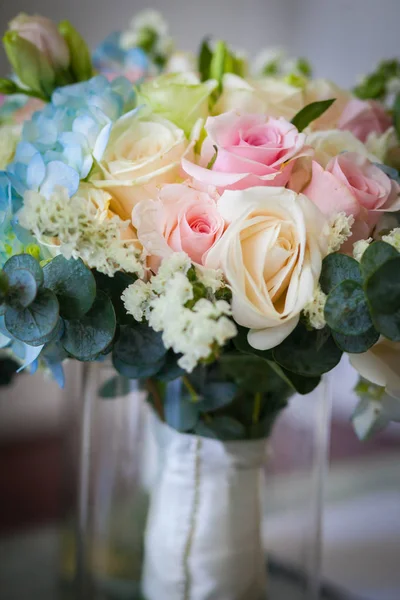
164,515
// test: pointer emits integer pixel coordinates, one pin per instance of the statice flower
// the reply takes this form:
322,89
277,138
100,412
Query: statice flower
195,327
112,60
61,142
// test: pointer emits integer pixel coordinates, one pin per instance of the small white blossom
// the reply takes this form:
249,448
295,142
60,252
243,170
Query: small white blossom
80,227
148,21
314,310
393,238
340,225
360,247
210,278
136,298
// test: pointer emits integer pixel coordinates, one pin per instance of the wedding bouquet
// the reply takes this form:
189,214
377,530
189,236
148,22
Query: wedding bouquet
230,225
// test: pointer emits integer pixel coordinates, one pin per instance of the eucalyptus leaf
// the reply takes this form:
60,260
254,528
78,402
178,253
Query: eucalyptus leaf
216,395
115,387
25,261
375,256
336,268
179,412
170,369
346,309
388,325
383,288
139,351
223,428
23,288
307,353
310,113
73,283
87,337
35,322
356,344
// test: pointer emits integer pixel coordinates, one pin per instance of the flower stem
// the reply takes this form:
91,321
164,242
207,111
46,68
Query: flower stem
256,408
193,394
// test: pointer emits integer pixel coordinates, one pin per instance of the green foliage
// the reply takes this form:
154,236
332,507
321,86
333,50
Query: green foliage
24,261
223,428
35,322
213,64
115,387
180,411
346,309
22,288
355,344
309,113
89,336
80,64
308,353
139,351
375,86
204,60
376,255
383,287
336,268
74,285
396,115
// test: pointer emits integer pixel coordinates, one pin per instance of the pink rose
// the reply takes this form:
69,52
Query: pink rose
182,218
363,117
252,150
354,185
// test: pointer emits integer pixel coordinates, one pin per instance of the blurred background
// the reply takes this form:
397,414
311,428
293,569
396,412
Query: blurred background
343,39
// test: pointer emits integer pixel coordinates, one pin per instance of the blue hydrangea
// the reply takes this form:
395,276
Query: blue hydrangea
111,59
60,142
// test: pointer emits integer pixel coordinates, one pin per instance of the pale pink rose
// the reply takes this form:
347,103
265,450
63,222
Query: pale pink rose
43,33
354,185
181,219
363,117
252,150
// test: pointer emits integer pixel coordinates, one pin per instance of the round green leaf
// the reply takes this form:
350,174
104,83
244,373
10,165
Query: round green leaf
376,255
38,320
383,288
24,261
73,283
355,344
87,337
115,387
221,428
346,309
139,351
307,353
336,268
388,325
23,288
179,411
215,395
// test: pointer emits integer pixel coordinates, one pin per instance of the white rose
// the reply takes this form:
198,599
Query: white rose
322,89
271,255
330,143
381,144
268,95
143,151
380,365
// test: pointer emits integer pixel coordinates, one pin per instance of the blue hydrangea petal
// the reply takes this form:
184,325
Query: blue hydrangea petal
59,174
31,353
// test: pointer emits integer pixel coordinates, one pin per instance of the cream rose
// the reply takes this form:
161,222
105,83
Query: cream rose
267,95
271,255
143,152
323,89
328,144
380,365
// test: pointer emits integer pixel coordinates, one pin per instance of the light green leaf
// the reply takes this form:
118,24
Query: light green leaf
310,113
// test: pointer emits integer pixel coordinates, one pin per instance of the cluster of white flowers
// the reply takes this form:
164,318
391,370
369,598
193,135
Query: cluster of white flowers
82,227
360,247
314,310
393,238
148,21
194,332
340,232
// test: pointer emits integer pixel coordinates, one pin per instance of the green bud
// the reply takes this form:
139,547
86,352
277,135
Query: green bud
30,65
80,60
7,87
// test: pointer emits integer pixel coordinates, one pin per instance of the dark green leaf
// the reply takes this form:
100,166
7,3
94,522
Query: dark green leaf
115,387
336,268
388,325
25,261
307,353
346,309
215,395
139,351
396,115
383,287
222,428
73,284
23,288
309,113
355,344
170,369
87,337
205,56
113,287
241,343
180,412
54,335
376,255
35,322
80,60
